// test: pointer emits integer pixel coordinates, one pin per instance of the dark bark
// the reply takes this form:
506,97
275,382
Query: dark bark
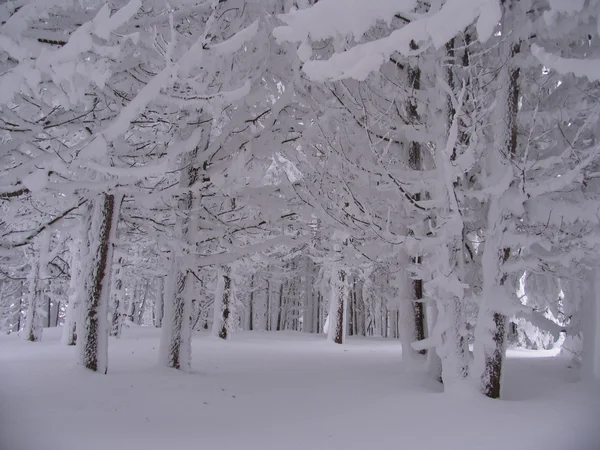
223,333
99,270
351,313
268,307
494,361
19,312
415,162
142,308
251,305
117,320
178,312
280,307
339,332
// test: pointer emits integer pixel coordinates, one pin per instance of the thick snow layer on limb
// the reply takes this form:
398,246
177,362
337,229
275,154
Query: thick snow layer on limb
104,25
328,19
589,68
235,42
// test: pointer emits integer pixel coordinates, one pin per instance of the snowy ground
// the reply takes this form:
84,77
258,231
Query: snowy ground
279,391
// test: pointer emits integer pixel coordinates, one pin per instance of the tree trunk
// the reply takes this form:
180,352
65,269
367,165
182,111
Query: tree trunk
337,305
118,301
159,304
251,305
69,336
33,329
279,312
37,288
490,339
591,326
415,162
142,308
308,306
176,336
100,225
223,314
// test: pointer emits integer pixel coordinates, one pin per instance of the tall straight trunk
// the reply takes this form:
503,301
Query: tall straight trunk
37,288
17,327
590,356
415,162
223,313
54,309
308,306
490,333
453,349
159,303
69,336
350,327
260,305
56,318
33,328
48,310
176,336
100,224
279,311
318,312
434,361
118,301
338,305
251,305
132,308
142,307
268,307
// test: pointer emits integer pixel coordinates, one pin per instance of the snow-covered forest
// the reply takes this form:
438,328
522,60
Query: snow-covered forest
254,182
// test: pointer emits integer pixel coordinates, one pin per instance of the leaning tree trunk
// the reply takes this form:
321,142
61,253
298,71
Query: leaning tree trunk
100,223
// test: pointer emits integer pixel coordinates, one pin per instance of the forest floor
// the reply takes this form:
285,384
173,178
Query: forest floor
279,391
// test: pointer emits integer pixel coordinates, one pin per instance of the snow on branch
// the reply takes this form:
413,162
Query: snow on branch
330,18
589,68
235,42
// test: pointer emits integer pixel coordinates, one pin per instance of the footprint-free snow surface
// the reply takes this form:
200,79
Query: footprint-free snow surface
280,391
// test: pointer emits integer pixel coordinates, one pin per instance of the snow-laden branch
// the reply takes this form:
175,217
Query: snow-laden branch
326,19
589,68
537,319
237,41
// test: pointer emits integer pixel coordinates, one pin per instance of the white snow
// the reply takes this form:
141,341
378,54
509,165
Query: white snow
335,18
235,42
589,68
36,181
280,391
